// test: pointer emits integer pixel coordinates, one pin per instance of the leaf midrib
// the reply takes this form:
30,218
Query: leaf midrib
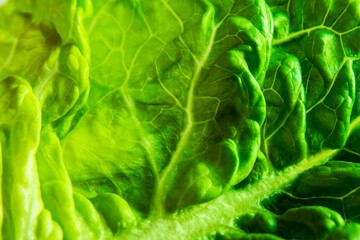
185,135
298,34
157,206
206,218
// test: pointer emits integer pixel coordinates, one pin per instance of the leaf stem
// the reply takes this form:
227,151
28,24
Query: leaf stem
206,218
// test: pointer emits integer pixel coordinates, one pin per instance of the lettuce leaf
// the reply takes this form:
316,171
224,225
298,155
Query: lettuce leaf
165,119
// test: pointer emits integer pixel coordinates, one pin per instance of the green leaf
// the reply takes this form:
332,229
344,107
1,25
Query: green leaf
319,41
348,232
296,223
58,70
20,126
284,140
333,185
162,124
167,119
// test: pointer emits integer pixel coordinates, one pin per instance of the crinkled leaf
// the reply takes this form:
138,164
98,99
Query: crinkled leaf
166,119
162,124
284,141
19,136
320,40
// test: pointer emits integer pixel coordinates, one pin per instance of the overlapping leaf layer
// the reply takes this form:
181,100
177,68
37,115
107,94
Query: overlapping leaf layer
192,119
